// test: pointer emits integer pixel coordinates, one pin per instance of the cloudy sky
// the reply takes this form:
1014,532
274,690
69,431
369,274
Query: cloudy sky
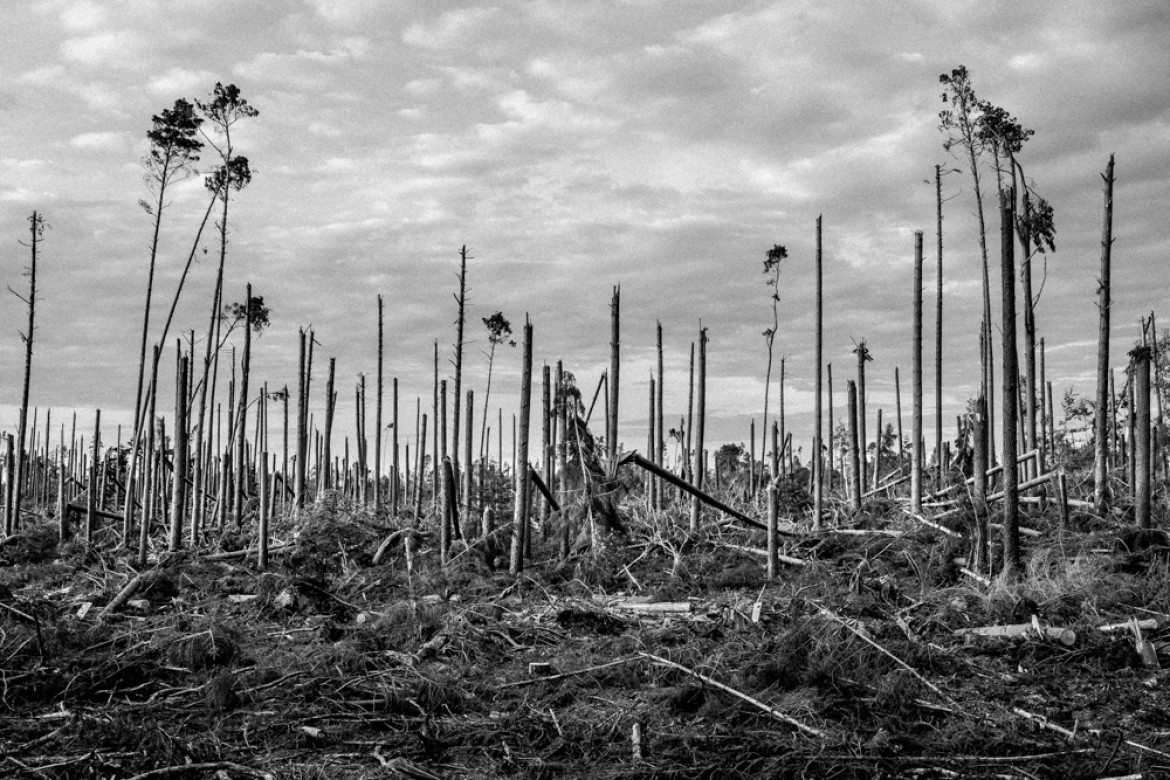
572,146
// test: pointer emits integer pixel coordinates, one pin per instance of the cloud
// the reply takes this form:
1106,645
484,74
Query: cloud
176,82
450,29
103,141
117,49
82,16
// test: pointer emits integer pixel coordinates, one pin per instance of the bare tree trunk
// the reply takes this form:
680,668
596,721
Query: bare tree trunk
916,425
330,409
1142,462
1011,509
420,472
520,469
1101,495
302,421
611,433
979,557
817,461
690,418
854,450
91,493
938,333
439,443
832,433
779,463
458,393
468,467
396,482
379,504
660,443
546,433
12,524
148,471
242,418
179,458
651,438
700,426
862,440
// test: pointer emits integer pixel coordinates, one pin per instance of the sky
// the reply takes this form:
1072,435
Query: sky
573,146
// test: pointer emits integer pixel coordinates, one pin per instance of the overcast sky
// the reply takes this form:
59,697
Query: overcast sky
573,146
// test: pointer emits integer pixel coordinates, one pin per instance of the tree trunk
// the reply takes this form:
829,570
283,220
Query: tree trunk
520,468
611,433
854,450
980,557
916,414
458,390
179,458
379,505
330,409
938,332
13,523
302,421
700,426
1101,495
660,442
1011,509
1141,381
862,440
832,433
817,461
242,418
396,482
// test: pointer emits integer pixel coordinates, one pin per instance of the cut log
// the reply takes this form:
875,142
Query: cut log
1066,636
655,607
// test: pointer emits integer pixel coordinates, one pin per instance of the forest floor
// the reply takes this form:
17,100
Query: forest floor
650,656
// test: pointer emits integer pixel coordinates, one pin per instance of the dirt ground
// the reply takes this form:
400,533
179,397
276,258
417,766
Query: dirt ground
648,655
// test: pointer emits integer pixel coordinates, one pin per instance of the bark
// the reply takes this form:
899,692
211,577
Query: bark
916,424
611,433
817,461
854,450
1011,510
461,300
330,409
12,517
1142,461
1101,495
179,458
938,331
700,425
379,505
520,470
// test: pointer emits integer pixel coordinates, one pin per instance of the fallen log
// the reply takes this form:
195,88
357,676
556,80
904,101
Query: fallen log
543,488
775,713
1043,479
757,551
638,460
654,607
1066,636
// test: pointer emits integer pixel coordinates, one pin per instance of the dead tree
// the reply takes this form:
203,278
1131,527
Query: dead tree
36,224
916,414
1011,509
520,466
1141,394
1104,302
817,460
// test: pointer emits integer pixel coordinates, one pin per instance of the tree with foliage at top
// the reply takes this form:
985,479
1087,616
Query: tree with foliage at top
220,112
772,260
959,121
499,331
174,149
